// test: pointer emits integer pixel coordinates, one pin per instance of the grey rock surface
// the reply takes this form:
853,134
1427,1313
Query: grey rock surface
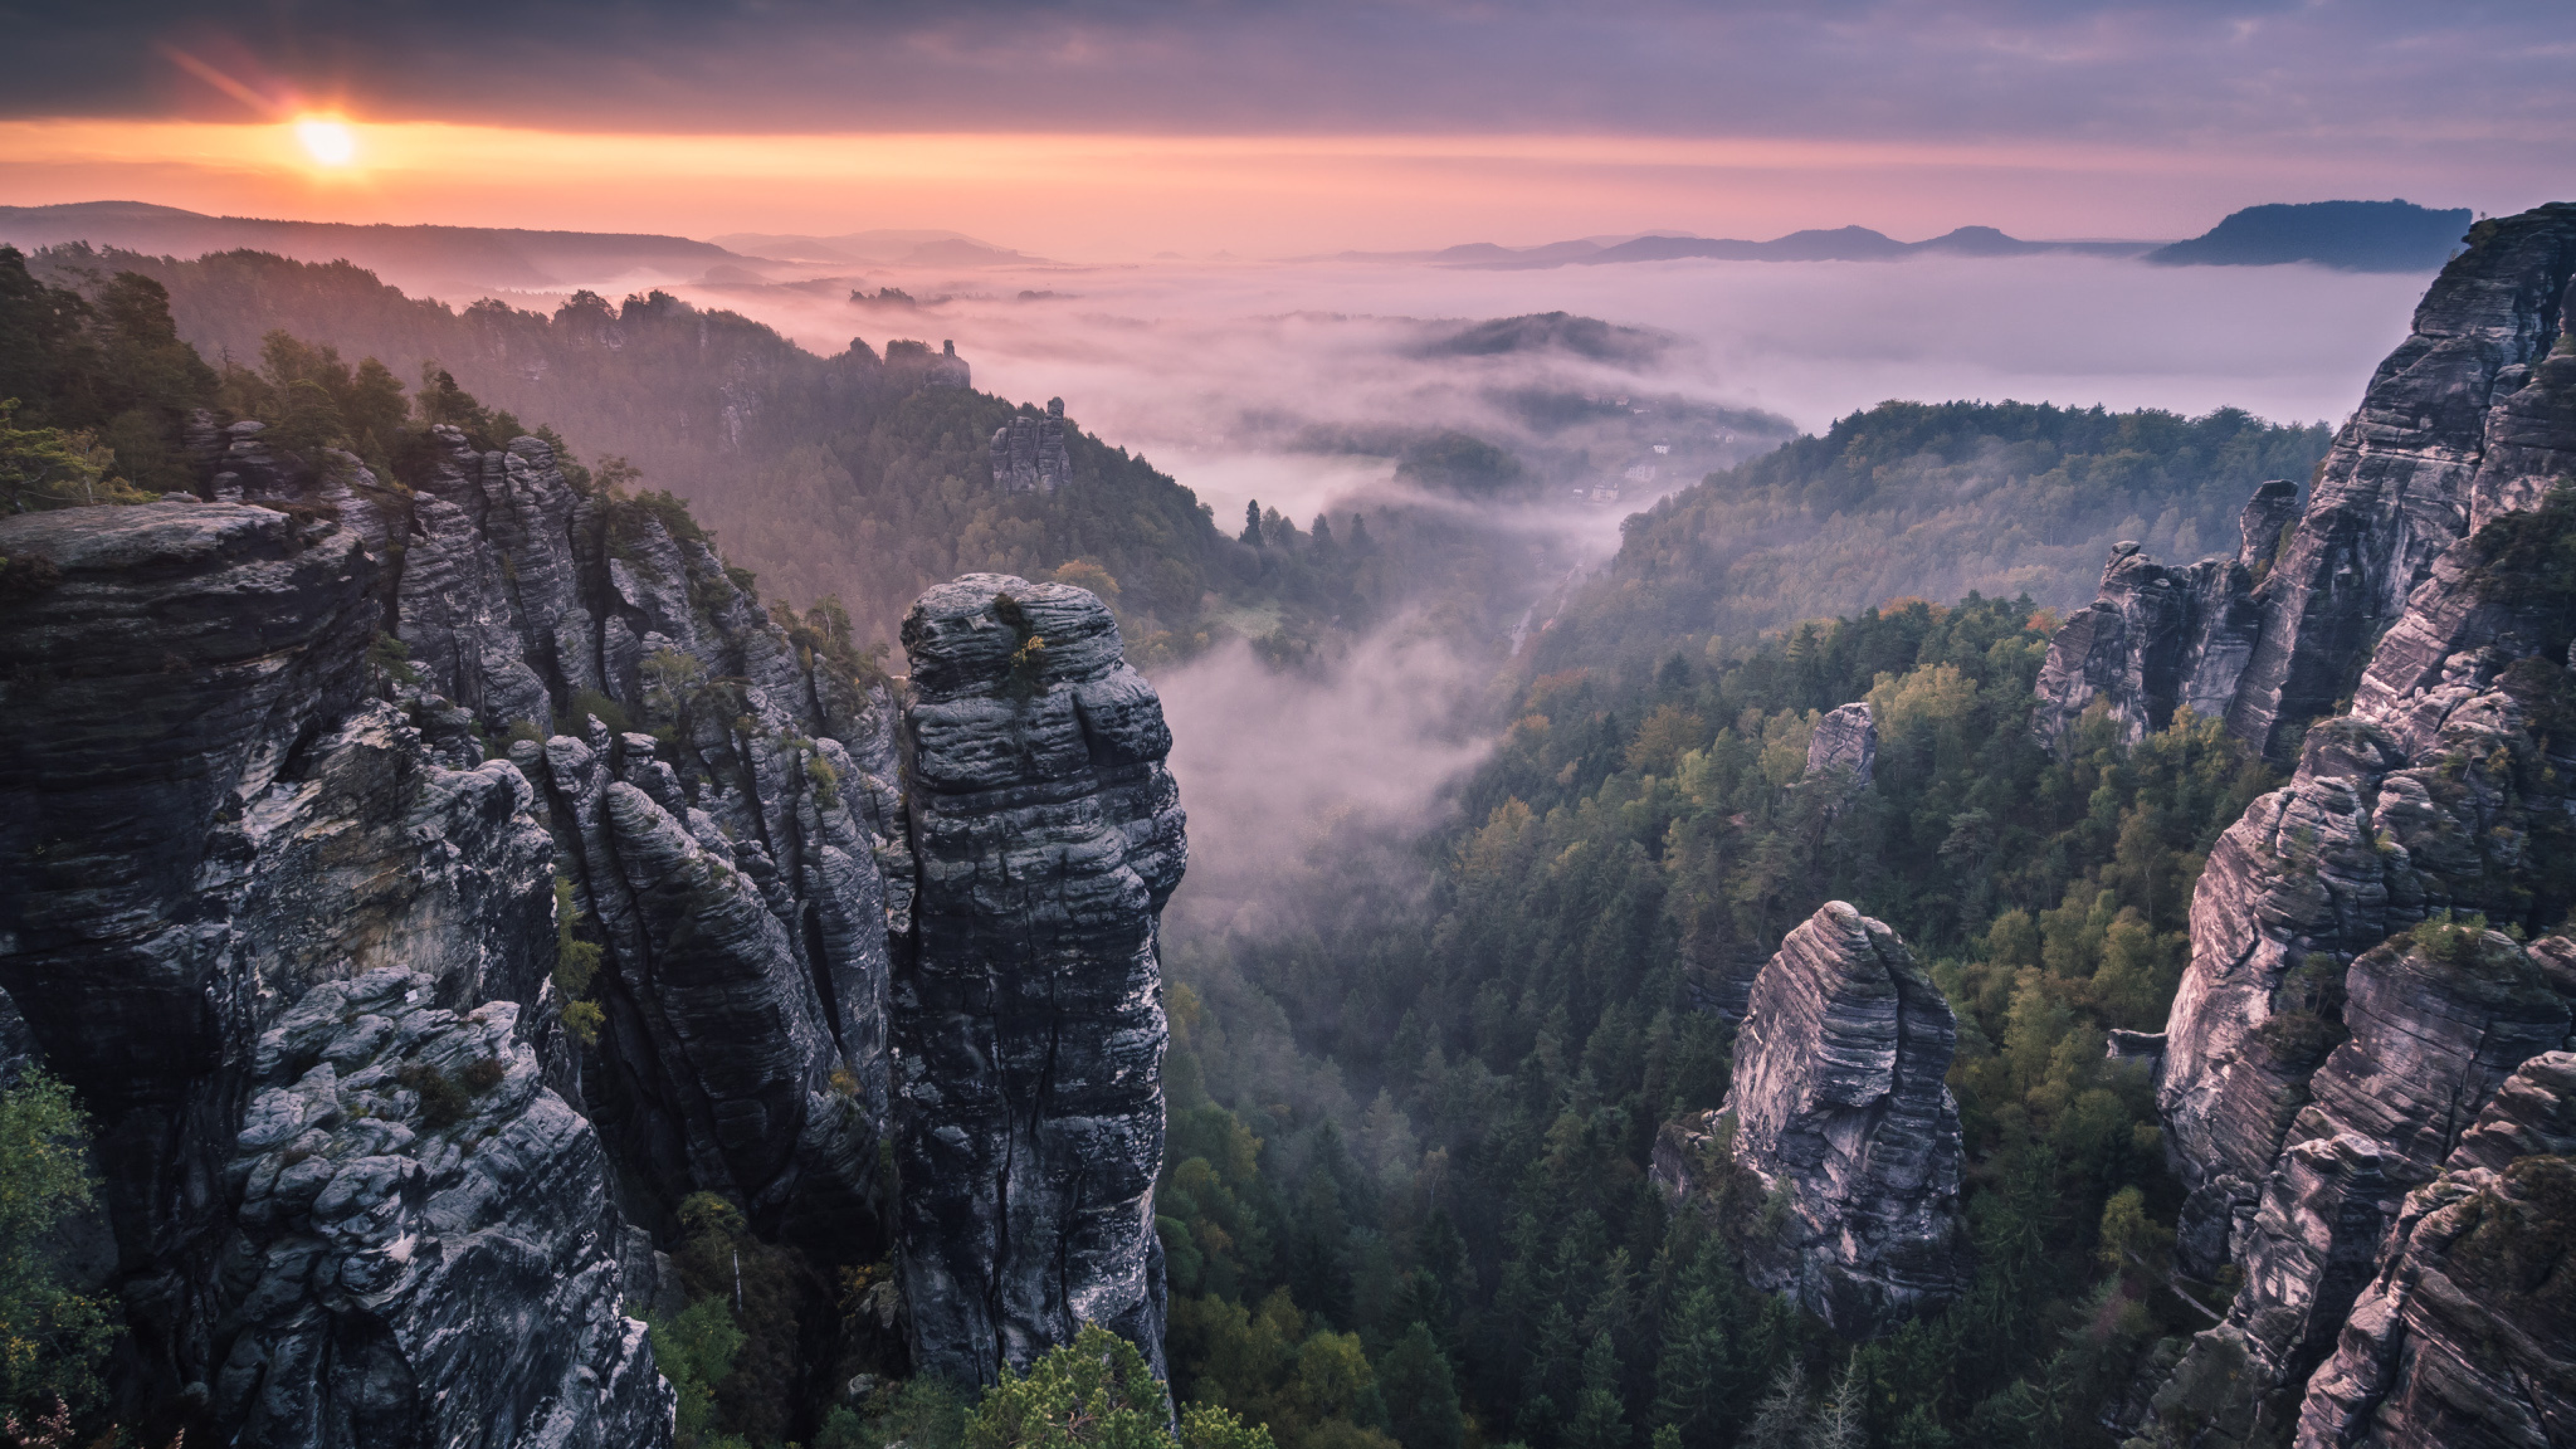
1028,1026
2463,1337
2433,1035
2338,1107
2442,429
2472,418
2156,640
1838,1108
1029,456
209,829
426,1239
1846,740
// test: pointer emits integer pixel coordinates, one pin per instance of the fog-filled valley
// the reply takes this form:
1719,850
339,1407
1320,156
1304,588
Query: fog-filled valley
1545,654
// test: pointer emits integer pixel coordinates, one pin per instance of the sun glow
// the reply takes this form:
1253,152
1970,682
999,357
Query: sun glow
328,141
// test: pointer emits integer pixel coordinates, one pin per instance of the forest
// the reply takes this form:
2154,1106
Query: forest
1928,500
1486,1213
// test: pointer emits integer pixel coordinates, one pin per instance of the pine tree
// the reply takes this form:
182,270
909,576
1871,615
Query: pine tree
1600,1420
1781,1417
1421,1393
1690,1374
1840,1421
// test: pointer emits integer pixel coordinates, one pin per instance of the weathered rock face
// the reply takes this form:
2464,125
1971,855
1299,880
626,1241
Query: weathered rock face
1846,739
426,1236
2408,474
2434,1031
210,831
2369,838
2320,1088
2473,418
1838,1107
2158,639
732,866
2462,1338
1028,1019
1029,454
267,898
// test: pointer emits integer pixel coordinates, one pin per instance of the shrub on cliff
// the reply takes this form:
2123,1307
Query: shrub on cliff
52,1339
1098,1393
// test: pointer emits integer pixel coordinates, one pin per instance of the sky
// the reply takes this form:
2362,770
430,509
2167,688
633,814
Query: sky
1103,131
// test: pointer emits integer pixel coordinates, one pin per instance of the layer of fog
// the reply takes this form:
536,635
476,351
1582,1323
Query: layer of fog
1226,374
1201,365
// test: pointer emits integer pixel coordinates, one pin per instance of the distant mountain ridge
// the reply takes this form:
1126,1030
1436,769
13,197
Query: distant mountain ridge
452,260
1836,244
2353,236
2367,236
878,248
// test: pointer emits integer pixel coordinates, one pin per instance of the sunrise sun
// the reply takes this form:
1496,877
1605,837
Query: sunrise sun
329,141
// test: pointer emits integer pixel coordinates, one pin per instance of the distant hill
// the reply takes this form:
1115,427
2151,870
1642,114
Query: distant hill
2355,236
878,248
1838,244
459,262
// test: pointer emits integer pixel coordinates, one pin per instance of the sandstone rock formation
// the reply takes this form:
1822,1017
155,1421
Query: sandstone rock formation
2157,639
1839,1110
2336,1104
2466,422
210,830
1846,739
1028,1018
295,781
1029,455
427,1237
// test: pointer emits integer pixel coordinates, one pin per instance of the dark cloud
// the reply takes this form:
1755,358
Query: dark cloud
2330,71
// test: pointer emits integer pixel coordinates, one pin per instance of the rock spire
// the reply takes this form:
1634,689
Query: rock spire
1028,1024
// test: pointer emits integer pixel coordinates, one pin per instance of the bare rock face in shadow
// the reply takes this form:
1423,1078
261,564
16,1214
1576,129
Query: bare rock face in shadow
294,963
1028,1027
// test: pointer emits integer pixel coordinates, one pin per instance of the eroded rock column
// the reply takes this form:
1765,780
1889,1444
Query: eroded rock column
1027,1013
1838,1107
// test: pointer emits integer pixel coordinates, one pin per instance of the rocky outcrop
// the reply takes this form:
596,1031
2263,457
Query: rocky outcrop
2463,1336
1029,455
211,829
2471,419
1846,740
2444,442
2329,1098
426,1237
1027,1013
1838,1108
745,849
299,781
2158,640
2435,1025
2444,798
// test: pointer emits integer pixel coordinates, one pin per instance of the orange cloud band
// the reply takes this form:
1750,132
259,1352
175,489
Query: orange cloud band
1124,194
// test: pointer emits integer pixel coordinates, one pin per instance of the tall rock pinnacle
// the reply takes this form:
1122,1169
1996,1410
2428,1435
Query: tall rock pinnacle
1027,1016
1840,1110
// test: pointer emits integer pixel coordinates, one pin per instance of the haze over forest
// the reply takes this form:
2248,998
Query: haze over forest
1357,727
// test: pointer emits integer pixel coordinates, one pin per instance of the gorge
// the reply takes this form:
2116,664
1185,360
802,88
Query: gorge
476,922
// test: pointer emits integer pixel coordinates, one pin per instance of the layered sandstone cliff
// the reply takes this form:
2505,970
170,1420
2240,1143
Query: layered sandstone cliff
2358,1064
297,968
1028,1017
1839,1111
298,778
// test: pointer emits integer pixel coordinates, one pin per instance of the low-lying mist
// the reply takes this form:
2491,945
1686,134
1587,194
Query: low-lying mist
1240,378
1296,384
